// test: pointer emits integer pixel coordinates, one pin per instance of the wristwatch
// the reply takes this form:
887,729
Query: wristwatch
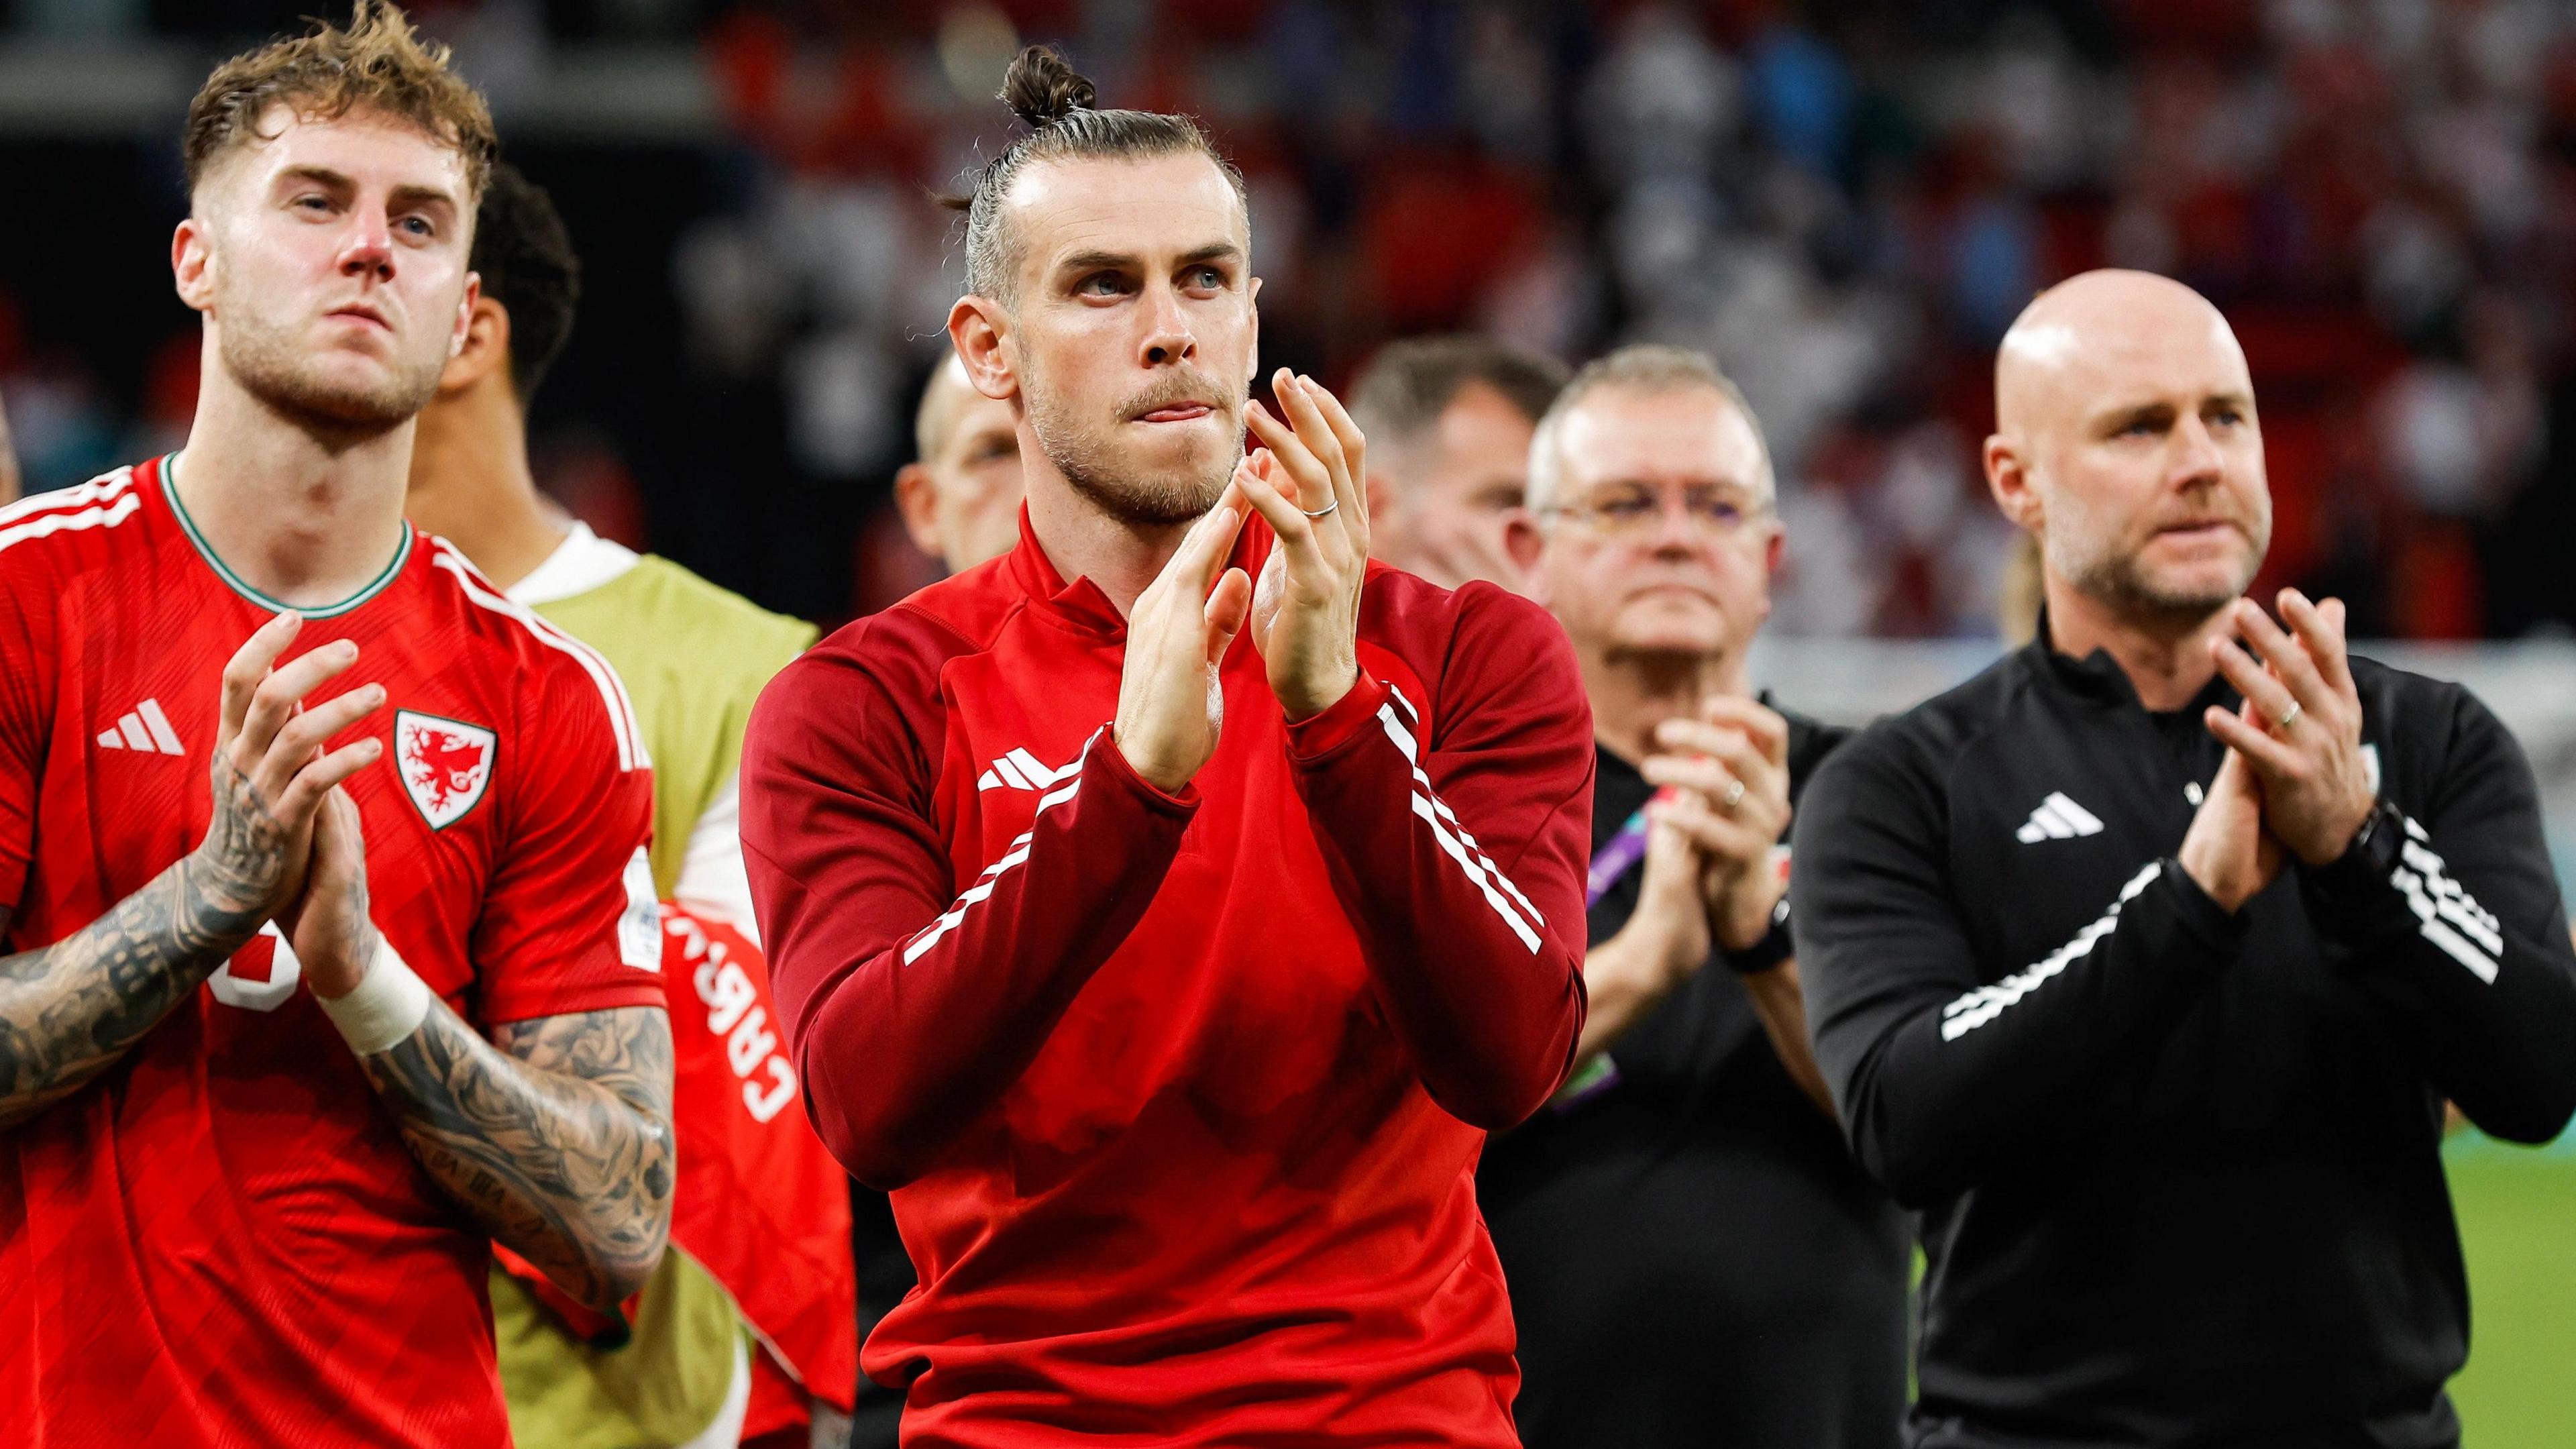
2371,858
1774,947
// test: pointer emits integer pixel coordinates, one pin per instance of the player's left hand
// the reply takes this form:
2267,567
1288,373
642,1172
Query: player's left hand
2305,746
1305,480
1732,767
328,925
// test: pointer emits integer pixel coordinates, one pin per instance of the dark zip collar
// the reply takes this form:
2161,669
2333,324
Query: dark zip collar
2099,679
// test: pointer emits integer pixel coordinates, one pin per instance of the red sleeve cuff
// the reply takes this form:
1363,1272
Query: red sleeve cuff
1312,738
1180,807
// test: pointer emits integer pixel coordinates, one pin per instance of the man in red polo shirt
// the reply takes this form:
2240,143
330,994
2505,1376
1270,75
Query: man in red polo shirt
1165,941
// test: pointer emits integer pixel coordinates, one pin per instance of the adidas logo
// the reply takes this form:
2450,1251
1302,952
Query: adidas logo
2058,818
144,728
1020,770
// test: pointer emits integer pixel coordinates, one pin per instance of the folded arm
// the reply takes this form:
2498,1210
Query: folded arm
1940,1074
913,1000
555,1135
1459,852
69,1010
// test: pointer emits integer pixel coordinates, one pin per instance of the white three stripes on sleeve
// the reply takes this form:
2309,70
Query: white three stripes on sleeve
2446,914
1453,839
982,889
99,503
1988,1002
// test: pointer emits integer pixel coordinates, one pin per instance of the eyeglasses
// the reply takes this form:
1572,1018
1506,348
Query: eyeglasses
1633,509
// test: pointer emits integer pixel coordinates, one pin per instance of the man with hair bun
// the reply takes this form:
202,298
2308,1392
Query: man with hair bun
332,966
1165,911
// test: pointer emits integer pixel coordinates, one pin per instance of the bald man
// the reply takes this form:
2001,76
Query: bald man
2143,962
960,498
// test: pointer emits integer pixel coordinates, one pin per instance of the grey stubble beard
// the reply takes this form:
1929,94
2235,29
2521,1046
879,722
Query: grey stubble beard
2117,579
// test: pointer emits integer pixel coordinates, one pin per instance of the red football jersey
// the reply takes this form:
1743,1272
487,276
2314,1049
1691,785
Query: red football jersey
223,1240
1180,1096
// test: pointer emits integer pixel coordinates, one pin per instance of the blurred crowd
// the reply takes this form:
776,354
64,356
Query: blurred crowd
1846,203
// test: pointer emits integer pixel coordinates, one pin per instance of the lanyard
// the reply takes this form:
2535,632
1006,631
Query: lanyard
1617,856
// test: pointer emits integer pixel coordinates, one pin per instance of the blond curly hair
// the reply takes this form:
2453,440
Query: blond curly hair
375,63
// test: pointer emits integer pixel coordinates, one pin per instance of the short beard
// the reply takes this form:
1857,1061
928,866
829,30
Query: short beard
278,373
1088,463
2116,579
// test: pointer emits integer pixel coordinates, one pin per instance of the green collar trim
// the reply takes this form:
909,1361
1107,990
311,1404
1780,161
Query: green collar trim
234,581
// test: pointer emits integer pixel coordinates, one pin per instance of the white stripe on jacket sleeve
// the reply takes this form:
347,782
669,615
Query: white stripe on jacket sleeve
1452,838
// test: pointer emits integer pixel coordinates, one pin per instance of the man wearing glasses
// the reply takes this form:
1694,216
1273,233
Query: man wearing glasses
1693,1257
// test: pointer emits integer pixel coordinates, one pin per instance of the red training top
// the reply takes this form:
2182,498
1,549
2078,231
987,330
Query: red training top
1180,1097
222,1240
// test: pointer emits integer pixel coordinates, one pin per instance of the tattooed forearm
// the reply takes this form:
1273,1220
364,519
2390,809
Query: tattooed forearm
69,1010
558,1139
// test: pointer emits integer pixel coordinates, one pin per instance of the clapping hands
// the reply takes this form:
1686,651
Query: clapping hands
1727,778
2294,780
1305,481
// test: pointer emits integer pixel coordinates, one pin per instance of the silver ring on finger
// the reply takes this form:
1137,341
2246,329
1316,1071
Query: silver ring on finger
1320,512
1734,796
2289,719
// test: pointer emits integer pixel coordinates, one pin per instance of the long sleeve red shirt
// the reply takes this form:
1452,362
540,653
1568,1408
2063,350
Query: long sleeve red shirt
1179,1096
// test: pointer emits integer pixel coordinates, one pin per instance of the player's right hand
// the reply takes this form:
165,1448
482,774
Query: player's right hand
2229,852
1308,480
1169,704
270,773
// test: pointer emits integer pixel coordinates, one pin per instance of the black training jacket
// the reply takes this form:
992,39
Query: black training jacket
1693,1257
2179,1171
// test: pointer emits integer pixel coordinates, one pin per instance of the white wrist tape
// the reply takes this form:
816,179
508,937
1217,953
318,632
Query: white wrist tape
390,1003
